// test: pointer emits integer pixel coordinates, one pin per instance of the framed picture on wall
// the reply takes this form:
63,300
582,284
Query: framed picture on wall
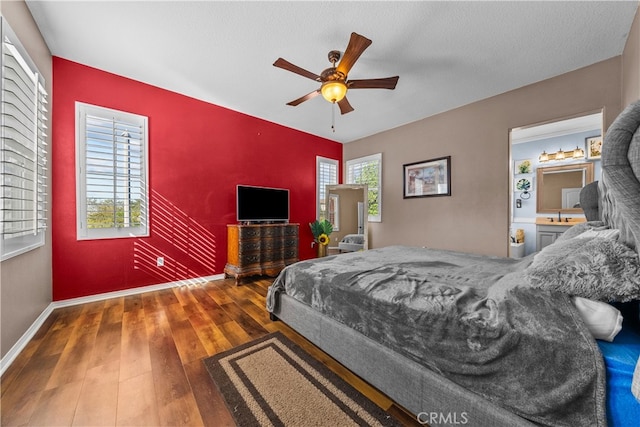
523,183
594,147
427,178
522,166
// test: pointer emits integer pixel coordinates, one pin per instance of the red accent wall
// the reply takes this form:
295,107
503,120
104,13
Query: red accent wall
198,153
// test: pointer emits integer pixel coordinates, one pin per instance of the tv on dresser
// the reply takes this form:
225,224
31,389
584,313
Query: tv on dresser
263,242
257,205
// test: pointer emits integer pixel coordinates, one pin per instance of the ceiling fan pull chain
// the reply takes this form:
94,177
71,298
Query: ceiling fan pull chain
333,117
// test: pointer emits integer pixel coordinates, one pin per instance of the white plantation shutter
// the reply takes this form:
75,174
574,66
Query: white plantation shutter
112,173
23,152
326,174
368,170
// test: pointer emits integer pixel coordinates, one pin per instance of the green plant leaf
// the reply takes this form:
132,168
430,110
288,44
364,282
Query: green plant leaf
327,227
320,227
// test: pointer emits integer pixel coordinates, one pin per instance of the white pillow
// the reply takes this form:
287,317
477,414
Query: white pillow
603,320
609,233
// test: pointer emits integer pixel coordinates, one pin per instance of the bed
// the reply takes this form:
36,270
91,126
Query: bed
489,341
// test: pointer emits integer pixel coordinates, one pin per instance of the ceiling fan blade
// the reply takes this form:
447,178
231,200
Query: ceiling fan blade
344,105
385,83
286,65
357,45
304,98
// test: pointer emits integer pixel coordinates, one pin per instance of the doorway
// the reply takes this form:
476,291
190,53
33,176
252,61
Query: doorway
564,142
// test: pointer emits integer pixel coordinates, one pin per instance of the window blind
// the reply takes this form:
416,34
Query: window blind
23,158
112,170
368,170
326,174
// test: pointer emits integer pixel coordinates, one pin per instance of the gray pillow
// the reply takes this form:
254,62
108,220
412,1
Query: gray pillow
353,238
599,269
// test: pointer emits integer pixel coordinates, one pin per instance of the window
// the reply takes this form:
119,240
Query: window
111,149
23,155
326,174
368,170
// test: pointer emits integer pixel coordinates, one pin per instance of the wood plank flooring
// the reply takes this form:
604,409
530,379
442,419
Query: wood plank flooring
137,360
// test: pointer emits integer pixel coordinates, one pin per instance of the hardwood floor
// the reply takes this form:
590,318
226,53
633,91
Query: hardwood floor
137,360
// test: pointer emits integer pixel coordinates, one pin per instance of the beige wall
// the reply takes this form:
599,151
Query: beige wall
631,64
25,289
476,136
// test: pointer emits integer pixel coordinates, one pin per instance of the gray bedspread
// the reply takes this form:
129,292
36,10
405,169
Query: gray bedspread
470,318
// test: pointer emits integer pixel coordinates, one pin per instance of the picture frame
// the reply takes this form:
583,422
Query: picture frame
427,178
594,147
522,166
523,183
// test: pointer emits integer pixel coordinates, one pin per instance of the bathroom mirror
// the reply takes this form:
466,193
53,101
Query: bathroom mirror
347,211
558,187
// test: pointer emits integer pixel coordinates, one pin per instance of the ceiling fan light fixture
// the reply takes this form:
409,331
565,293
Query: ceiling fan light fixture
333,91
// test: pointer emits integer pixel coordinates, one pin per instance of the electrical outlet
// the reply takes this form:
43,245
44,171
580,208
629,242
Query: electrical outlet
160,261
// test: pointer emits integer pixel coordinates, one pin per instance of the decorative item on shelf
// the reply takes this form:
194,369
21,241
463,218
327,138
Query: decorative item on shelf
578,153
594,147
523,183
321,231
516,248
523,166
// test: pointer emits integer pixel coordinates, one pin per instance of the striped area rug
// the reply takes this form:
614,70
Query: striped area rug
273,382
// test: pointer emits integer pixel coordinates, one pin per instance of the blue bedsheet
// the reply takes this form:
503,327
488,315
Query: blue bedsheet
620,358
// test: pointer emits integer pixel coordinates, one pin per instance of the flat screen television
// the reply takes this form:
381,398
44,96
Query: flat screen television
262,204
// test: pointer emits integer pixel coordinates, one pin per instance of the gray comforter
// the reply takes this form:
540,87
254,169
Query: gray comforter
470,318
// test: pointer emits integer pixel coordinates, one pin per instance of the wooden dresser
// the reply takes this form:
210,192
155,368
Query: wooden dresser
263,249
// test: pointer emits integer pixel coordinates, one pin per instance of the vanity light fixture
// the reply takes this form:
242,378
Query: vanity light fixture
544,157
578,153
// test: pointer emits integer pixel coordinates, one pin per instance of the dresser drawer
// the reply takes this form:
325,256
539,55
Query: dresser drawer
260,249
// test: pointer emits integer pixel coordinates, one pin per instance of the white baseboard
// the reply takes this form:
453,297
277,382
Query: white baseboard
11,355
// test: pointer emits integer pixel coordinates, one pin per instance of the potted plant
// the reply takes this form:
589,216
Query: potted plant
321,231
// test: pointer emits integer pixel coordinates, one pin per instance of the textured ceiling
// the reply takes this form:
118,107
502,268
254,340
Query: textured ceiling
447,54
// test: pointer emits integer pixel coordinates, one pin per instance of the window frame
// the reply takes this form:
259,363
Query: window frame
83,232
319,185
31,237
350,164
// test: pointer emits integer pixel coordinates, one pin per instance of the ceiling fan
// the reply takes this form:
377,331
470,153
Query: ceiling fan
334,79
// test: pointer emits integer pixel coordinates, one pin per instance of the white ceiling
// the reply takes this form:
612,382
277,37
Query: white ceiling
446,53
558,128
